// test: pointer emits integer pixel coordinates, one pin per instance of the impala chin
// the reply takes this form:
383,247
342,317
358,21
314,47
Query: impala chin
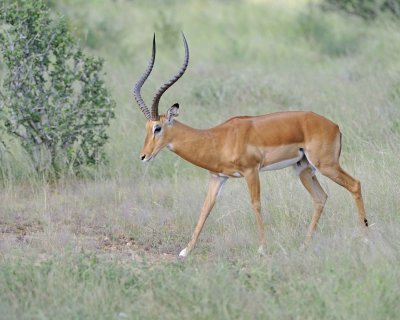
149,159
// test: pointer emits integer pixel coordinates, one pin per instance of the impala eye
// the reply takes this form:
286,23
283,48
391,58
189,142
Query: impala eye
157,129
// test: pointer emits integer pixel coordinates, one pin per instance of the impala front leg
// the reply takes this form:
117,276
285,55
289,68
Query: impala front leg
214,187
253,183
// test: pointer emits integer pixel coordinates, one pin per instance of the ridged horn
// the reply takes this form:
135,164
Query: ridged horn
166,85
138,85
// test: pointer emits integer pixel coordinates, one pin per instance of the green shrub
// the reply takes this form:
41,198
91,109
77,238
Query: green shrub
366,9
53,97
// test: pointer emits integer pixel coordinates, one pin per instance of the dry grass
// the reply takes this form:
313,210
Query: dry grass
106,246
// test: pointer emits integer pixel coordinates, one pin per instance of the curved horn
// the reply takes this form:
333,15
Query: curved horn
142,79
166,85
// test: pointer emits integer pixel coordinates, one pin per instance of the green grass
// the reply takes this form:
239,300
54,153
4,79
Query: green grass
105,247
363,283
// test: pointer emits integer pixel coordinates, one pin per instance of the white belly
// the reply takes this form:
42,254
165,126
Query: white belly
283,164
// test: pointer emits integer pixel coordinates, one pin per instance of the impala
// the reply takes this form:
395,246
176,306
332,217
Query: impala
244,146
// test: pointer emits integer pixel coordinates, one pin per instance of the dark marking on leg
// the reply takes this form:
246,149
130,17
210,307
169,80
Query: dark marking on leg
366,222
299,162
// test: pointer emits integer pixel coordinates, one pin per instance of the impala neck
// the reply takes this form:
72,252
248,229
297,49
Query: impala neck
193,145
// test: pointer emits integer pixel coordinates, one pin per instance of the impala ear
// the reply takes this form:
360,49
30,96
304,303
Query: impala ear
172,112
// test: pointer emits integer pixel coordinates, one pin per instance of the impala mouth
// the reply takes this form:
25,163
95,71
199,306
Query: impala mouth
149,159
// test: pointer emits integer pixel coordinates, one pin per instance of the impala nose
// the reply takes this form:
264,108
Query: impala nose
142,156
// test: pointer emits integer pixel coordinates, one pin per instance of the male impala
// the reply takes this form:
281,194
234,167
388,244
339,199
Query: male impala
244,146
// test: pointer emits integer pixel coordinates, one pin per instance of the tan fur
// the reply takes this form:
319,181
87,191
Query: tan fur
242,146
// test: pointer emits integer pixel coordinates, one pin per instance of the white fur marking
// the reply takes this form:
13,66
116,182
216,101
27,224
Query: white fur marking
222,175
221,187
235,174
184,253
283,164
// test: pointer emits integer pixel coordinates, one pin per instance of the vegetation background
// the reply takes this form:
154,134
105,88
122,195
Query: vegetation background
105,245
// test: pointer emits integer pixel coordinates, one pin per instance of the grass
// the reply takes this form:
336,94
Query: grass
106,246
358,280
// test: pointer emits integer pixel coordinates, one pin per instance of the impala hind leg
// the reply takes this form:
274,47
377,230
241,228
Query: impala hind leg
341,177
310,182
214,187
253,183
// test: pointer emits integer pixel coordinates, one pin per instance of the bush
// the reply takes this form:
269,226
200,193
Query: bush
53,97
366,9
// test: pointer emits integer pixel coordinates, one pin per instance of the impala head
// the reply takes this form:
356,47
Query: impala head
158,134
